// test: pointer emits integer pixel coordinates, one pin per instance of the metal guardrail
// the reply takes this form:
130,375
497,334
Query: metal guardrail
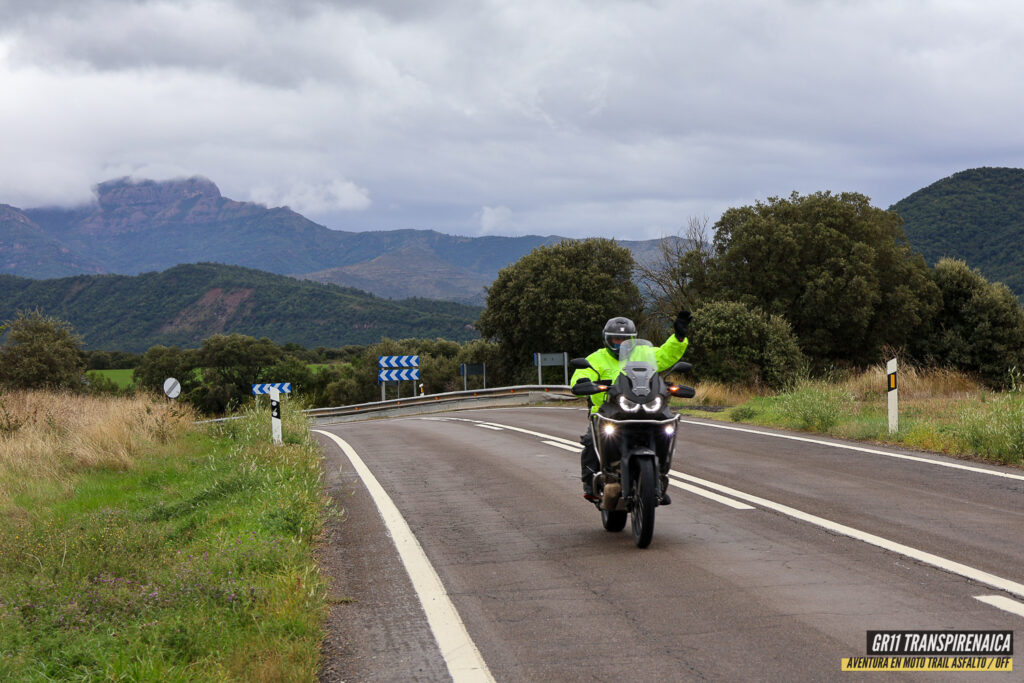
527,393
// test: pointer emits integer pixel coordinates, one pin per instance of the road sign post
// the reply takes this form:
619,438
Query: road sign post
542,359
275,415
467,369
892,387
282,387
274,390
397,369
172,388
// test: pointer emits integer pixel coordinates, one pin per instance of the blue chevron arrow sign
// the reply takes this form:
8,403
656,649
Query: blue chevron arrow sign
283,387
398,375
398,361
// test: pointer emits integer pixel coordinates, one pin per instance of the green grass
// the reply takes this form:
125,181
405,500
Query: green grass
195,564
984,425
122,378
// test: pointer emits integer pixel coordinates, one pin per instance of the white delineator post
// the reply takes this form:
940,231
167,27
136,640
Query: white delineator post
275,415
893,393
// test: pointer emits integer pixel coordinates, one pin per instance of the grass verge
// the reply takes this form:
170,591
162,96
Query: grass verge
186,555
940,410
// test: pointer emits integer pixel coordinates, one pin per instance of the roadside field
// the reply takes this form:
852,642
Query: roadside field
121,377
135,545
939,410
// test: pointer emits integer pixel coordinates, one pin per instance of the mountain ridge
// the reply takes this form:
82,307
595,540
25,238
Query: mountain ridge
975,215
185,304
136,226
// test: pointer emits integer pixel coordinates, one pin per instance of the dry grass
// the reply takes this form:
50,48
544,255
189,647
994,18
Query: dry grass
716,394
44,435
914,384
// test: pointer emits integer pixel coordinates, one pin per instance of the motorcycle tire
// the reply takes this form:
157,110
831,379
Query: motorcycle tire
613,520
644,501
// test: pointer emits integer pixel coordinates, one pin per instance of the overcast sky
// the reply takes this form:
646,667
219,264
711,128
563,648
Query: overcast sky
598,117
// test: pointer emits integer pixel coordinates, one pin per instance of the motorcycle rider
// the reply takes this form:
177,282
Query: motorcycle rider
605,364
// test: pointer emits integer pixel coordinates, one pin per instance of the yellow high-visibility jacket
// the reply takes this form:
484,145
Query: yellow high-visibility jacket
606,365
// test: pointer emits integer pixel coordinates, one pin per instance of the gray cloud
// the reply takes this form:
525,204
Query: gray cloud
613,118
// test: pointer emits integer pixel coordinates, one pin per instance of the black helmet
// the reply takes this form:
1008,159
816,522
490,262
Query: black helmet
616,331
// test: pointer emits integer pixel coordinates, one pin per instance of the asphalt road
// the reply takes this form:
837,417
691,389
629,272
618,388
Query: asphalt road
813,546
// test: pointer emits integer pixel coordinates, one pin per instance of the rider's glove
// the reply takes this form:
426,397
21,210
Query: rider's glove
682,324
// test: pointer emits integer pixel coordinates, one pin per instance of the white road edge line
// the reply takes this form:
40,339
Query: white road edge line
873,451
1002,602
487,426
884,543
458,649
791,437
713,496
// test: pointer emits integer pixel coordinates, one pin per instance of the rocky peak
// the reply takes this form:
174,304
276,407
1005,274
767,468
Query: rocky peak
126,192
10,213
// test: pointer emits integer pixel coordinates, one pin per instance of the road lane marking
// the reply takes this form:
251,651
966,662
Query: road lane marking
1003,603
792,437
905,550
713,496
574,444
487,426
556,444
458,649
873,451
575,448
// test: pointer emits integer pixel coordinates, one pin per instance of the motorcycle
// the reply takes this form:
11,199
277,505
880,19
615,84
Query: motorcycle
634,434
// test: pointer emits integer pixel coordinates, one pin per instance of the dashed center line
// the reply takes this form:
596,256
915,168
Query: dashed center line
922,556
556,444
713,496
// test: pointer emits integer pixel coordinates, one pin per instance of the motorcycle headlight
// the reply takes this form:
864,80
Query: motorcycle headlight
654,406
627,405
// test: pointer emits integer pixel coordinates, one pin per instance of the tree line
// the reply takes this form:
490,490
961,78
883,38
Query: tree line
785,288
42,352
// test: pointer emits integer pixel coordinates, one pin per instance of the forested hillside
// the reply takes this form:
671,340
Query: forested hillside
186,304
976,216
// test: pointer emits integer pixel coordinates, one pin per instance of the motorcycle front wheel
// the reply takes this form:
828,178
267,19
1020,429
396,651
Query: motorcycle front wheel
613,520
643,503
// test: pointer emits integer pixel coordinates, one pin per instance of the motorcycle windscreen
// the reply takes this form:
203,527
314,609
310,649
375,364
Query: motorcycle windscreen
638,361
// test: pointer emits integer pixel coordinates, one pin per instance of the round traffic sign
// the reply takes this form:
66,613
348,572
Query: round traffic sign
172,387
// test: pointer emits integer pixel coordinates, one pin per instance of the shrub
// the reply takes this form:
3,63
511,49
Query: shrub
980,326
742,413
41,353
816,406
735,344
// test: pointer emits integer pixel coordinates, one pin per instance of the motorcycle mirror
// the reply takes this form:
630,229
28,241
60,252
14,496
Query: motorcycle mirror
587,388
579,364
681,366
683,391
